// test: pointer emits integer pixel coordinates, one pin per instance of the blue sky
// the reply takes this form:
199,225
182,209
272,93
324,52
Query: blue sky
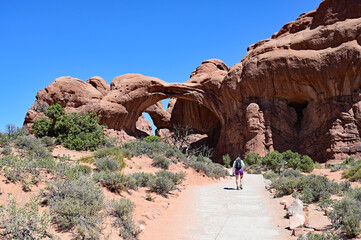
43,40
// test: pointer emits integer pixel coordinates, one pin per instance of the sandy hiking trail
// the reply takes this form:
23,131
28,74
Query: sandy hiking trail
218,211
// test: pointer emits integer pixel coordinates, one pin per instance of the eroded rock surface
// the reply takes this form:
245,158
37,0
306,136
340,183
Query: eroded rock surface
298,90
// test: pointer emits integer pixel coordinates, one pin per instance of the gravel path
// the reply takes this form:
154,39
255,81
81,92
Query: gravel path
220,212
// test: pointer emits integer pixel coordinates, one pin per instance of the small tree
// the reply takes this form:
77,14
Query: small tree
274,161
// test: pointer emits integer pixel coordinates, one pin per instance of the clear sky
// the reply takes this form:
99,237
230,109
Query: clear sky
43,40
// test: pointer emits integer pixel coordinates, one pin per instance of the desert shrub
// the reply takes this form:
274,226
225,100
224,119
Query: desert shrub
306,164
32,147
205,165
80,132
74,131
7,150
160,161
40,107
48,142
166,181
78,171
146,148
106,163
270,175
346,213
227,161
152,139
4,140
252,159
41,127
143,179
115,181
315,187
322,236
274,161
284,185
348,160
338,167
291,173
114,153
292,159
23,222
318,165
111,142
123,210
13,132
86,159
76,203
353,173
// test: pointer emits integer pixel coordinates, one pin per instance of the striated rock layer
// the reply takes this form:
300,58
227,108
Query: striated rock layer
298,90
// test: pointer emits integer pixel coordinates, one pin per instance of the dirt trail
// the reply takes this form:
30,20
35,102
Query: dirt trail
219,212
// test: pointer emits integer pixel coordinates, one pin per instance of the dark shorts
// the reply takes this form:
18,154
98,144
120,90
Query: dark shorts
238,171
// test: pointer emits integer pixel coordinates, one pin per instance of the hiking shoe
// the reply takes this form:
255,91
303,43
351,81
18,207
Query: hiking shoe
241,186
237,188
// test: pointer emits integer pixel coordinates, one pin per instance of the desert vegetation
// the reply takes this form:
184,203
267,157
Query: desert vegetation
68,194
291,174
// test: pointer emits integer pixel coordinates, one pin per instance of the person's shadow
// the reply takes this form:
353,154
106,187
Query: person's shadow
228,188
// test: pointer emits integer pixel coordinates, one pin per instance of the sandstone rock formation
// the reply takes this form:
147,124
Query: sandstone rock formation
298,90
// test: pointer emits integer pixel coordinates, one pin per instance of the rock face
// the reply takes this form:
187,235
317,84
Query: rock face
298,90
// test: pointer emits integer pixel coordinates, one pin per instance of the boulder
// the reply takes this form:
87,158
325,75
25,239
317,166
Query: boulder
296,207
297,220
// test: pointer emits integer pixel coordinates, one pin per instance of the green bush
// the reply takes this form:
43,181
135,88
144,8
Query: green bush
42,127
227,161
252,159
74,131
274,161
107,163
306,164
76,204
152,139
23,222
292,159
160,161
115,181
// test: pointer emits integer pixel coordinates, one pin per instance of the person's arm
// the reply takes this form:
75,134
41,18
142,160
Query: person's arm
242,162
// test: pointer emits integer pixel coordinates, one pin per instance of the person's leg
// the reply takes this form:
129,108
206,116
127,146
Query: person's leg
240,181
237,176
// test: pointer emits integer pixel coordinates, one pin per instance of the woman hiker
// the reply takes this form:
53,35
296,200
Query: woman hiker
237,170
